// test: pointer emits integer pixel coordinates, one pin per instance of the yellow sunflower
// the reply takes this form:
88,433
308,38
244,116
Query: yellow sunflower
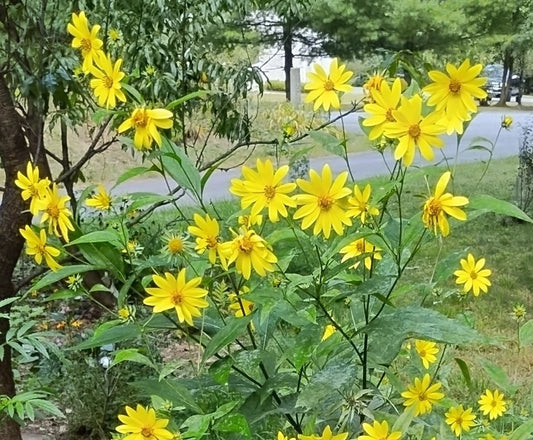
179,294
37,246
412,129
206,230
373,84
142,424
327,434
264,188
440,204
422,394
146,123
32,186
106,81
324,87
55,212
385,101
473,276
379,431
101,200
460,419
492,404
85,39
455,91
323,203
427,351
250,251
359,204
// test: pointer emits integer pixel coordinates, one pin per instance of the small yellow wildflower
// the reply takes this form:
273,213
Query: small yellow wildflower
460,419
473,276
492,404
422,394
324,87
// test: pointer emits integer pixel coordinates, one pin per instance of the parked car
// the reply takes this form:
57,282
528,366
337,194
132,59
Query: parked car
494,85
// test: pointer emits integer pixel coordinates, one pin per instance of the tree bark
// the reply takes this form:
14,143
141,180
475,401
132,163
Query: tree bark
14,154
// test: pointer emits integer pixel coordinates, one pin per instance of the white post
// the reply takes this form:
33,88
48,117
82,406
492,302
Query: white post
296,86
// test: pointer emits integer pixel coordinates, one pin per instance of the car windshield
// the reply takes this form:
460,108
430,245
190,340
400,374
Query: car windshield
493,71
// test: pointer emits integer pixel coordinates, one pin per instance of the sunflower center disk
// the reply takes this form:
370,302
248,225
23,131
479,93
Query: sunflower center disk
329,85
270,192
175,245
212,242
414,130
147,432
140,119
86,45
473,275
455,86
108,82
434,208
176,298
53,211
325,202
389,116
246,245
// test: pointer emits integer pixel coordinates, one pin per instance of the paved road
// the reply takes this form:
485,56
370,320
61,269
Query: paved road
369,164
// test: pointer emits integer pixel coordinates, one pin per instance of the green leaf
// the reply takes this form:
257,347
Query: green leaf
492,204
8,301
142,199
105,236
131,355
131,173
233,328
133,92
62,294
388,331
329,142
523,432
234,423
498,375
466,373
179,101
64,272
178,165
105,256
525,334
171,390
109,335
402,423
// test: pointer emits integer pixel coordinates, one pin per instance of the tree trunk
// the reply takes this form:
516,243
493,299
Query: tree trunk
14,155
506,79
288,56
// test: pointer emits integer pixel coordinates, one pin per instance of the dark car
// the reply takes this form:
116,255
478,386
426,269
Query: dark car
494,85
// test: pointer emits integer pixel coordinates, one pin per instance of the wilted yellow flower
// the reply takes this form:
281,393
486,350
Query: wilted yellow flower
412,129
264,188
427,351
142,424
422,394
440,204
492,404
114,34
460,419
146,123
507,121
239,305
37,246
85,39
324,87
100,200
519,312
328,331
323,203
359,247
32,186
179,294
373,84
473,276
106,82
